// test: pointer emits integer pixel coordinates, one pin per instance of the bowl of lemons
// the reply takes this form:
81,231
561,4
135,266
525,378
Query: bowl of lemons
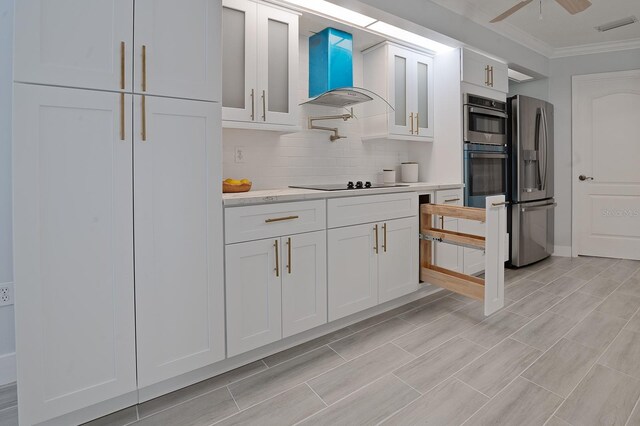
236,185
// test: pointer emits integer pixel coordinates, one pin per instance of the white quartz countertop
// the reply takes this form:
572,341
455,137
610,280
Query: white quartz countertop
294,194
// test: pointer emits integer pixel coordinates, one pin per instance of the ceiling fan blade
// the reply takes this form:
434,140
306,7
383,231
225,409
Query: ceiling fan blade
511,11
574,6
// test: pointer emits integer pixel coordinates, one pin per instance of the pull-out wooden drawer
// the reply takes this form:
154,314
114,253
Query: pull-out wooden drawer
370,208
249,223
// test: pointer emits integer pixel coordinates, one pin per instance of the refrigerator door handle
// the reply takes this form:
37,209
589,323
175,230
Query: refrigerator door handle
546,153
534,208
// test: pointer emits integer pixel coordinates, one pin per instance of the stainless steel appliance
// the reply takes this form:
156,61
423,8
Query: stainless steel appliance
485,120
530,221
485,172
348,186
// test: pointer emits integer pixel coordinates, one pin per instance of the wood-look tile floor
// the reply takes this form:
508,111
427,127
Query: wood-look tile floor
565,350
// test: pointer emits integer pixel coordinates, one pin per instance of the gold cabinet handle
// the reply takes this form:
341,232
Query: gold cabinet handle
486,75
144,118
289,255
417,124
253,105
441,222
492,76
375,228
451,200
384,232
280,219
275,244
264,106
122,48
144,68
122,116
411,120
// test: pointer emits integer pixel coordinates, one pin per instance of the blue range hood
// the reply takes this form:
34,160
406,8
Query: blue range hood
331,70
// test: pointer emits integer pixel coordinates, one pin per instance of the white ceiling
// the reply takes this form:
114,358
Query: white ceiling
558,31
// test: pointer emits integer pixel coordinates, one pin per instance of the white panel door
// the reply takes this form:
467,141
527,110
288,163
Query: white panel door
181,42
423,95
76,43
73,246
606,117
277,33
304,282
353,269
398,258
239,61
178,237
253,284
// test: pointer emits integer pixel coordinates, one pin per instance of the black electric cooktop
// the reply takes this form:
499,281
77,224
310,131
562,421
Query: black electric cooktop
348,186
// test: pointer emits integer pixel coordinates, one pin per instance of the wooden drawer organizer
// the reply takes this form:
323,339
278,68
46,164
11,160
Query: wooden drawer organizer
491,288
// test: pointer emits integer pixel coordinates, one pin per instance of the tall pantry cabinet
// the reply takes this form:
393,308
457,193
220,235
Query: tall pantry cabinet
116,161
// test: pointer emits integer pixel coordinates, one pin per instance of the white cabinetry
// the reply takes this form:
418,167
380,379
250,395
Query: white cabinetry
276,286
178,225
371,263
403,77
259,65
485,72
73,230
448,255
90,45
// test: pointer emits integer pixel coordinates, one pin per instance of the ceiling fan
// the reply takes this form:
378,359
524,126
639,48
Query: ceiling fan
572,6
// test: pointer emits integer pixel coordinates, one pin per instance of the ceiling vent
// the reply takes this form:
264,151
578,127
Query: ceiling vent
617,24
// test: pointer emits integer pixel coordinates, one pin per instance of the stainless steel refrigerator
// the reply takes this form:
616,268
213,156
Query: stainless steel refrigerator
531,209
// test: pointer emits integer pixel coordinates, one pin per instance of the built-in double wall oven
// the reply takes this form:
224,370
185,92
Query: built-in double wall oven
485,149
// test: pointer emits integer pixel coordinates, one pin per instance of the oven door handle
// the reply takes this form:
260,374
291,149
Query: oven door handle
487,111
486,155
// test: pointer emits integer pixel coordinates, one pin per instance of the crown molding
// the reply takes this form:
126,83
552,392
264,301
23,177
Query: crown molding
589,49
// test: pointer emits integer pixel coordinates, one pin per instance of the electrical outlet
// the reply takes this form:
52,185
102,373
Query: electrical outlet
240,154
6,294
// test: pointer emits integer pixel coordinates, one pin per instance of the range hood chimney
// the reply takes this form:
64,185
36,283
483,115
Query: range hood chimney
331,70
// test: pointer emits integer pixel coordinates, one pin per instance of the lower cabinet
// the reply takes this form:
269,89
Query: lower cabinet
370,264
276,287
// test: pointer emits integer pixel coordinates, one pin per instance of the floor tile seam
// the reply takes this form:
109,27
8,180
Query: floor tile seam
597,362
400,378
140,417
316,394
635,407
420,324
299,355
539,385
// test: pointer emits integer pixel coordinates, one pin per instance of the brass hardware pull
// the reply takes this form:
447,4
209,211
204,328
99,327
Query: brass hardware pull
144,118
441,222
411,120
275,244
375,228
289,255
491,74
280,219
451,200
253,105
121,116
384,244
144,68
417,124
122,65
486,75
502,203
264,106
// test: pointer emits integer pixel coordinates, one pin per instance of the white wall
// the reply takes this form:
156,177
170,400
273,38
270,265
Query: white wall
275,160
7,338
536,89
561,71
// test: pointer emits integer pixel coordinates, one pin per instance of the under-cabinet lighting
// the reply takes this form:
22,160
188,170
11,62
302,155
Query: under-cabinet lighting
518,76
335,11
408,36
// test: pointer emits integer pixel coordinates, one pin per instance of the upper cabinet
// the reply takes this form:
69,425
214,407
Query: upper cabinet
403,77
90,45
259,65
485,72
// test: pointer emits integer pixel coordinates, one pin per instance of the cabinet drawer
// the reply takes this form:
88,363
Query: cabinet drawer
272,220
449,196
370,208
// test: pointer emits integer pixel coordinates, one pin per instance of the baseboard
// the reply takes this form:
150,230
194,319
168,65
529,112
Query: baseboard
562,251
7,368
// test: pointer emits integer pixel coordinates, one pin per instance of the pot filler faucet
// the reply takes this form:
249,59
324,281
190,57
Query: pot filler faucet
335,135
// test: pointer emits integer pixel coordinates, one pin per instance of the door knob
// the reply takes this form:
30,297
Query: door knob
583,177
